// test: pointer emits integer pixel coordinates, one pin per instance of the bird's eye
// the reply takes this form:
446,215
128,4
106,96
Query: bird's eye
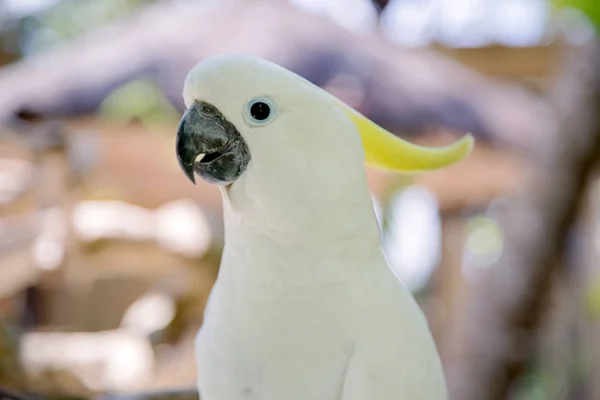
260,111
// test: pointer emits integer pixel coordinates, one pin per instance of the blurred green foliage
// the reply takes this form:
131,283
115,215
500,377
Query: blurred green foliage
593,297
485,239
537,383
140,99
591,8
68,19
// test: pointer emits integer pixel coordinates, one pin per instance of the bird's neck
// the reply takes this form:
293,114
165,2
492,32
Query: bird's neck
325,231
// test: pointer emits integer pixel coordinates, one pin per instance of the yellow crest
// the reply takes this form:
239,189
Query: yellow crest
386,151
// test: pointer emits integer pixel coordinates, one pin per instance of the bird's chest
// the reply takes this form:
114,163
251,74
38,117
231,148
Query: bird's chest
290,345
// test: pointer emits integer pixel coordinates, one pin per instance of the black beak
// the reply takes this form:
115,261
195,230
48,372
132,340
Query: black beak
210,145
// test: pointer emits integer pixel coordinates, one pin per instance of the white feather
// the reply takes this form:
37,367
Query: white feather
305,306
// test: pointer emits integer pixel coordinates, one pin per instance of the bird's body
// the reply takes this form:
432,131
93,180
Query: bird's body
322,318
328,339
304,306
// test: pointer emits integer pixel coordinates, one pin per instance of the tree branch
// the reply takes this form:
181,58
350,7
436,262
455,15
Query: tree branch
178,394
492,342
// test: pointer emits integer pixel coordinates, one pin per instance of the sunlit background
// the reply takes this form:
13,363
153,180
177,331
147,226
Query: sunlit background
107,252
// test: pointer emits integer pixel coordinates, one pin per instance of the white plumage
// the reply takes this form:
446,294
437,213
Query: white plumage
305,306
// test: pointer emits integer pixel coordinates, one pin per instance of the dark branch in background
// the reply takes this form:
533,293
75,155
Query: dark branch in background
9,395
493,342
181,394
12,374
380,5
174,394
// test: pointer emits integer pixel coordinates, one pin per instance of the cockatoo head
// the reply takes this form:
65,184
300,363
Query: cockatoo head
248,117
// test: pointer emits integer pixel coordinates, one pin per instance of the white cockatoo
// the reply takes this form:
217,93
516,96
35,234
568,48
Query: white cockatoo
304,306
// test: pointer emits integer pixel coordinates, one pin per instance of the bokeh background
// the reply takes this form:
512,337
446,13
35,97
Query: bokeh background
108,253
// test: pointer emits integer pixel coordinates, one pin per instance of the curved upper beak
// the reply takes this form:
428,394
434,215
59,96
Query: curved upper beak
209,145
187,148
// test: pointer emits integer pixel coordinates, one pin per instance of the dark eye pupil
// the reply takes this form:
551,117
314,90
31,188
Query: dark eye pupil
260,111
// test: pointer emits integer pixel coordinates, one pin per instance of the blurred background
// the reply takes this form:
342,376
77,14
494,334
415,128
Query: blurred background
108,253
